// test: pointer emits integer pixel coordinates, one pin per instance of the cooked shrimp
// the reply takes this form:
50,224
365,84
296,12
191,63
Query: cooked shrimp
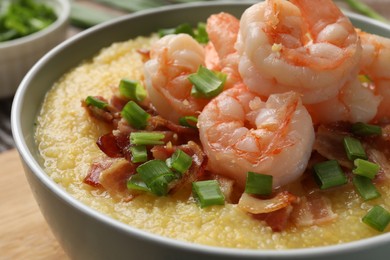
355,102
240,133
305,46
172,59
375,64
222,30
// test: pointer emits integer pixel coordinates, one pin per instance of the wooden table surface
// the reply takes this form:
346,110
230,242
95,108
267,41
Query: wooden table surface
24,233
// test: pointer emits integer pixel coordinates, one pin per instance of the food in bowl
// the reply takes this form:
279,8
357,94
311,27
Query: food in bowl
23,17
304,207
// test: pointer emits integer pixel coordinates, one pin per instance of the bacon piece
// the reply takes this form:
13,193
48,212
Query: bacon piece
145,54
108,145
114,178
329,143
313,209
197,169
278,220
255,205
95,170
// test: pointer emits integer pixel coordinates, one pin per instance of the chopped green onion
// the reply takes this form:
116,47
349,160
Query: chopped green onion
207,83
135,115
138,153
329,174
354,148
366,10
156,175
208,193
377,218
365,187
364,78
365,168
201,34
93,101
132,89
180,161
146,138
259,184
136,183
363,129
188,121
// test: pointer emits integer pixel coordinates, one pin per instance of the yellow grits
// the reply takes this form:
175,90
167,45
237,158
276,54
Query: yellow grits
66,137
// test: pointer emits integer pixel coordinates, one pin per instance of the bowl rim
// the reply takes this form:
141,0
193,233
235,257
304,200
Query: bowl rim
28,158
62,17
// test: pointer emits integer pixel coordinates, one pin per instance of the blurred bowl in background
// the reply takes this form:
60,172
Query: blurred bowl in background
19,55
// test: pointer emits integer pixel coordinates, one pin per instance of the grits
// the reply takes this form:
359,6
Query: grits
66,136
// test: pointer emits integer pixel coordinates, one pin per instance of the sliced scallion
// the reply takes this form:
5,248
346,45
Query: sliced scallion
208,193
377,218
201,34
132,89
156,175
365,168
138,153
259,184
136,183
93,101
207,83
363,129
188,121
146,138
365,188
181,28
354,148
329,174
135,115
179,161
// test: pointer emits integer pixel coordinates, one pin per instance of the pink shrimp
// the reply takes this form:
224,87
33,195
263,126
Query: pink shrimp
222,30
305,46
375,64
240,133
173,59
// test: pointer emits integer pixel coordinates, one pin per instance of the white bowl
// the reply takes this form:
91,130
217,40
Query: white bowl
19,55
87,234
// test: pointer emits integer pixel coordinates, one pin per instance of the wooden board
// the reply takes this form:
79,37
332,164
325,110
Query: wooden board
24,233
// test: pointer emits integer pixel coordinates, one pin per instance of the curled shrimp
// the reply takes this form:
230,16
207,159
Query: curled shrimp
172,59
355,102
222,30
240,133
305,46
375,64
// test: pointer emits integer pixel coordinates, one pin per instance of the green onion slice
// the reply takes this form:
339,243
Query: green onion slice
207,83
329,174
363,129
93,101
179,161
146,138
132,89
135,115
181,28
188,121
156,175
365,168
354,148
208,193
377,218
138,153
365,188
136,183
259,184
201,34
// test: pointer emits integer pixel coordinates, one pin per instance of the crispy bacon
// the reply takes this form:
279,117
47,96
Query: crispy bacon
95,170
107,144
114,178
278,220
312,209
